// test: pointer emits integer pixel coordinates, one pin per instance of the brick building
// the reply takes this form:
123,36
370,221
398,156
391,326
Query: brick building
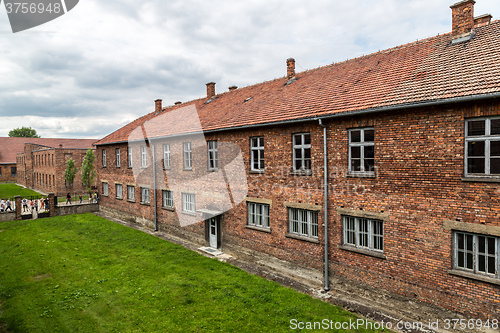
41,164
406,139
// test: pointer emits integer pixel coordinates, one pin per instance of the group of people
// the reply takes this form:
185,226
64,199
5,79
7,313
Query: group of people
35,204
5,205
92,198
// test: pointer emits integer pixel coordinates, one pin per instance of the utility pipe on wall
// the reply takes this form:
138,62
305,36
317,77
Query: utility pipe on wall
325,188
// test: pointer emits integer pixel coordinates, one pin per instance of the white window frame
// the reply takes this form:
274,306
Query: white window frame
188,203
145,195
104,158
487,138
166,156
118,157
363,227
213,155
144,157
302,147
105,189
168,199
188,157
362,145
257,147
476,254
130,192
303,222
130,157
258,215
119,191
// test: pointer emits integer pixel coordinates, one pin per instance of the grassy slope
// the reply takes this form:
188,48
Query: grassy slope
11,190
82,273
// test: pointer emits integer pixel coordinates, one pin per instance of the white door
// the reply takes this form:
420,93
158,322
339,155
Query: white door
213,232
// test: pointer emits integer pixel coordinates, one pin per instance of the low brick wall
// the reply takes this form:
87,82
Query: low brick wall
127,217
4,217
76,209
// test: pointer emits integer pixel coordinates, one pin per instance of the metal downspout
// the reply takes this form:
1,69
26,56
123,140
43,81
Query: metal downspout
325,188
154,186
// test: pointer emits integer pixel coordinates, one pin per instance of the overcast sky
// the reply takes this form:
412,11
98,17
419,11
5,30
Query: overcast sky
101,65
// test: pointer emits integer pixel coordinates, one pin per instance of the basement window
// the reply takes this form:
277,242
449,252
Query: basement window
476,254
363,233
303,222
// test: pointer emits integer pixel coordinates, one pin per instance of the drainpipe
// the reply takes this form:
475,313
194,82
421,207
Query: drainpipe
154,186
325,188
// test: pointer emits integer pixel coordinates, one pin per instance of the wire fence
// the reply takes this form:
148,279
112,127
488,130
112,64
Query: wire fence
40,204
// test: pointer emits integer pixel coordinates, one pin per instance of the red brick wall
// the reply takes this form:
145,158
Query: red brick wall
419,156
6,174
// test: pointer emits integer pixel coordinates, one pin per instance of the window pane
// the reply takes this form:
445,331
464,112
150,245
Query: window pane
369,165
491,265
461,260
470,261
475,148
298,153
495,126
469,242
495,148
476,127
355,152
356,136
482,263
495,166
355,164
297,140
491,246
307,139
307,153
369,135
460,241
475,165
481,244
261,159
369,152
261,142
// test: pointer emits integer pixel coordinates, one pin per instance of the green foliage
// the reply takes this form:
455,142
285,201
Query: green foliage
88,169
11,190
24,132
83,273
70,172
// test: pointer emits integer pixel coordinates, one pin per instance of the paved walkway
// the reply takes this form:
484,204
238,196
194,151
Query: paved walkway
367,302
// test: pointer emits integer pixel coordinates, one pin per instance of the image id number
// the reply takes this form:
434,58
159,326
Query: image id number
32,8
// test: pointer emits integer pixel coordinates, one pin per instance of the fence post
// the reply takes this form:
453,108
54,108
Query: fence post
52,205
19,207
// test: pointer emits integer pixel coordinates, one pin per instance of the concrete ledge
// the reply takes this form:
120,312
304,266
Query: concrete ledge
302,238
298,205
361,251
259,200
363,213
472,276
261,229
475,228
76,209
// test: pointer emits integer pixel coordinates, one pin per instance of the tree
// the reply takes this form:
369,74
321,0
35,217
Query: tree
88,170
24,132
70,172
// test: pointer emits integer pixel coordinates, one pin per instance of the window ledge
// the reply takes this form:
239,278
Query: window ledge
119,198
481,179
473,276
104,195
361,175
188,213
303,238
302,173
187,169
130,200
257,172
168,208
213,170
261,229
145,203
374,254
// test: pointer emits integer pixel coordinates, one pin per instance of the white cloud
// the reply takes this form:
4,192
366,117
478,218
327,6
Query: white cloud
81,72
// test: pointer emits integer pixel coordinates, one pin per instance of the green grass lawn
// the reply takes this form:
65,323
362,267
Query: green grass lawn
83,273
11,190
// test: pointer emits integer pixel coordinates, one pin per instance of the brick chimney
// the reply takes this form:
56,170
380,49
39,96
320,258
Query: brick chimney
462,18
233,88
158,106
290,68
210,89
482,20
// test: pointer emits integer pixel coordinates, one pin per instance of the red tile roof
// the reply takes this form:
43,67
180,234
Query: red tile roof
433,69
10,147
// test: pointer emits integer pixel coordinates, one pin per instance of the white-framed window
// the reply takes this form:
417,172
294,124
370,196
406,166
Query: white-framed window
168,199
188,159
130,192
166,156
144,195
302,152
129,151
118,158
477,254
213,155
104,158
119,191
258,215
362,151
188,203
257,153
482,146
144,157
303,222
363,233
105,189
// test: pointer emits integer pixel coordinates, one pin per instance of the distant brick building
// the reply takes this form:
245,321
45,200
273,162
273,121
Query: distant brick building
40,162
410,138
